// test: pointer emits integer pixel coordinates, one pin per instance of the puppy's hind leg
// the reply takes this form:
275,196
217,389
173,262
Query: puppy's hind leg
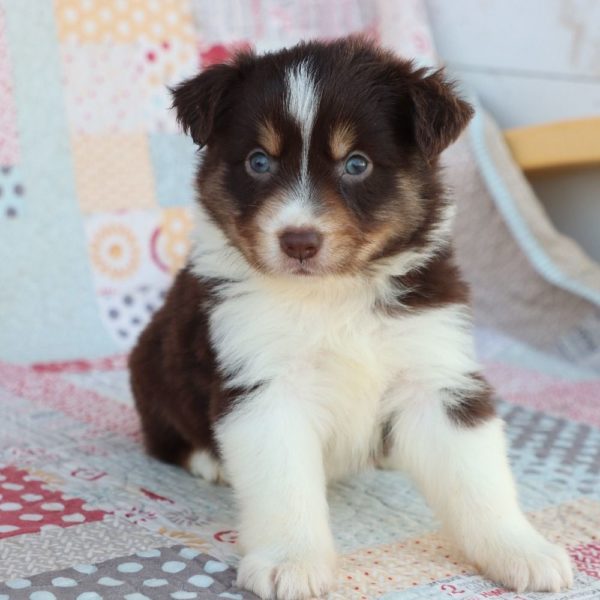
458,459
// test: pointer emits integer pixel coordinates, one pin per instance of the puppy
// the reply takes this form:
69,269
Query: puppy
321,325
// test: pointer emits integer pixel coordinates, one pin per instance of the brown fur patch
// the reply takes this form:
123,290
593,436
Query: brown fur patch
341,140
176,384
437,284
173,359
269,138
475,408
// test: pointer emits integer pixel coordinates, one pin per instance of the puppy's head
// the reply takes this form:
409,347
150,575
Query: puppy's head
320,159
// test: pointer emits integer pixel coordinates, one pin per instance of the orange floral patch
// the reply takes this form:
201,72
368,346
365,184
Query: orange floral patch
115,251
175,229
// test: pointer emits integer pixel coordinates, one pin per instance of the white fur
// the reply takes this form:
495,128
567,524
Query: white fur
212,255
302,102
302,95
203,464
328,371
465,476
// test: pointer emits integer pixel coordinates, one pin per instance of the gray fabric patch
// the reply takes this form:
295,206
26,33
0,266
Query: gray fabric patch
59,548
174,572
555,455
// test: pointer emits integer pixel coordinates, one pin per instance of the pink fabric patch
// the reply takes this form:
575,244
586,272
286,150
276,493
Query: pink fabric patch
587,559
9,146
576,400
83,405
27,506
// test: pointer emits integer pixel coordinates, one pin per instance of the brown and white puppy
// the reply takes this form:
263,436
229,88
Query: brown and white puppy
321,325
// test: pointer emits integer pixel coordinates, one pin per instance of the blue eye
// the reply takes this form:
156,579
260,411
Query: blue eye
356,165
259,162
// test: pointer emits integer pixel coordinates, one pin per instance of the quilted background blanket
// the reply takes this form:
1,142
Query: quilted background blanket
95,188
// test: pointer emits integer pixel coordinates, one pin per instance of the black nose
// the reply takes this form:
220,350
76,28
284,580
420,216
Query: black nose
300,243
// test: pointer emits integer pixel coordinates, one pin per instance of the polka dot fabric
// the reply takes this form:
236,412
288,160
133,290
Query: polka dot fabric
177,573
102,88
123,88
123,21
126,256
28,505
13,193
126,314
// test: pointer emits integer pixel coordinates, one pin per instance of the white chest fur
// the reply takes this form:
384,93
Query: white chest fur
324,349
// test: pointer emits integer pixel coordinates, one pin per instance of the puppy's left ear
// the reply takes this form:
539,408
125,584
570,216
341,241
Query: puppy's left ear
439,114
199,102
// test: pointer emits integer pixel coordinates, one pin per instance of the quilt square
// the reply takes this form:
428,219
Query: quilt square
162,65
12,192
61,548
124,88
587,559
123,21
174,158
102,86
133,258
113,172
28,506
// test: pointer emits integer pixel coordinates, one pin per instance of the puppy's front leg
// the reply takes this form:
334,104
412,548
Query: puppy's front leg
273,456
460,464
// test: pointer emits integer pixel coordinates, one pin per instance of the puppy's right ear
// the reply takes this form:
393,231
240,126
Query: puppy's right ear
201,100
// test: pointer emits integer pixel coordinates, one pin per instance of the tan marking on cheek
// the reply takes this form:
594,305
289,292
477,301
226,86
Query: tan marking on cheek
353,244
270,139
344,235
214,196
221,206
377,239
341,140
257,235
399,219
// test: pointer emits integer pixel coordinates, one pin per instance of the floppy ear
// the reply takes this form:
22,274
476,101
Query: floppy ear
439,114
199,101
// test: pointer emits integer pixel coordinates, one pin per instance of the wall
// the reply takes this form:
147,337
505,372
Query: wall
532,61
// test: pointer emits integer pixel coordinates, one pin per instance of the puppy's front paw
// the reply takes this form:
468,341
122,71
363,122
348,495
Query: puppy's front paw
526,562
287,580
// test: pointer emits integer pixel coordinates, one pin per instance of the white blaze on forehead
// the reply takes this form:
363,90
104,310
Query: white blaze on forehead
302,102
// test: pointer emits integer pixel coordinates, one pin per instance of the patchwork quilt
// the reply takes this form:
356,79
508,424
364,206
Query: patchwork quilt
85,514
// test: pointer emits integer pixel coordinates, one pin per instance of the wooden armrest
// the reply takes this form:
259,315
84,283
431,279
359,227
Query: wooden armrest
556,146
